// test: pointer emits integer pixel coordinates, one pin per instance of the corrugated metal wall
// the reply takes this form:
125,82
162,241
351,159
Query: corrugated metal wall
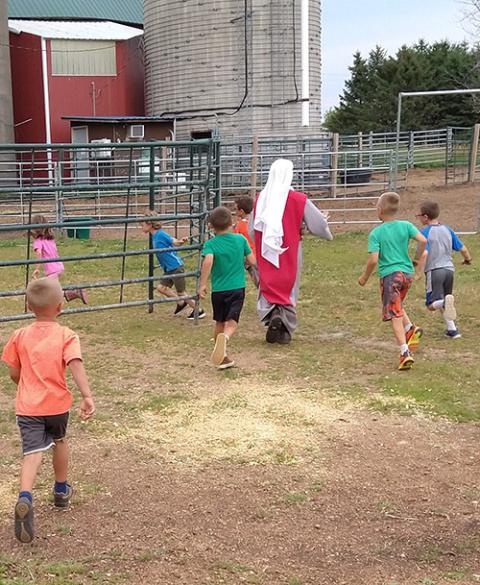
195,61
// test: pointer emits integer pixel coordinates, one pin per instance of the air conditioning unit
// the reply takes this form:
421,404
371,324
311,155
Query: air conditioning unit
101,153
136,131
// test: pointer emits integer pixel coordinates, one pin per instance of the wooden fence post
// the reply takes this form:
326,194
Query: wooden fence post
335,144
473,153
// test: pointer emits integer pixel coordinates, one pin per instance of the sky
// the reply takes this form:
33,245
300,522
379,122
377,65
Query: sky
359,25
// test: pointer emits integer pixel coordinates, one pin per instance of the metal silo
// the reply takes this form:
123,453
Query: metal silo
234,65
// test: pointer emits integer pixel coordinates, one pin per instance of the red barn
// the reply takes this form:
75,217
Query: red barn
73,68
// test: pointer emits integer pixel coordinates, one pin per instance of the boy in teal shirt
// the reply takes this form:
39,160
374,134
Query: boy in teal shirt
224,259
388,247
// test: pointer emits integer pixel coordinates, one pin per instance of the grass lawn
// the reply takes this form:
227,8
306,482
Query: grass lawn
157,394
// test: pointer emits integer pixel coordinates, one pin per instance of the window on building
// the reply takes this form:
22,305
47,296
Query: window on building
83,57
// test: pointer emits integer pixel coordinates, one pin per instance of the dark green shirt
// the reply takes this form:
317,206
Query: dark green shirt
228,270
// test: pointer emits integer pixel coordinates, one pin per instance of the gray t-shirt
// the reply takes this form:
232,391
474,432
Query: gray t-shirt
441,241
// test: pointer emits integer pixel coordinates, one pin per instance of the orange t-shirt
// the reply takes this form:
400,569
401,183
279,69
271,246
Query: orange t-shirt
242,228
41,352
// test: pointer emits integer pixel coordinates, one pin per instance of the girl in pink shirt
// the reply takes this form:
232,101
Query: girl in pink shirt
45,247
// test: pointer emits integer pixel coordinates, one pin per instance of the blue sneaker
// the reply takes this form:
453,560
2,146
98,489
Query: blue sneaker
453,334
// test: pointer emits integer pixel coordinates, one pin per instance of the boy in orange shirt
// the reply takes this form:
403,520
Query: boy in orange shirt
244,209
37,356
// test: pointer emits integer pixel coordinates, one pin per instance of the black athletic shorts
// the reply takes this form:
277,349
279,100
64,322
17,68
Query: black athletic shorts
227,305
39,433
439,284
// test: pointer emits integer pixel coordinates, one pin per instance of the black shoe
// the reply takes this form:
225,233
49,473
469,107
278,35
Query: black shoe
62,499
274,330
284,338
24,520
179,308
201,315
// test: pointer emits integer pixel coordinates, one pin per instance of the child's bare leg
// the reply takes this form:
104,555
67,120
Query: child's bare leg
230,327
190,302
166,291
399,330
219,328
30,466
60,461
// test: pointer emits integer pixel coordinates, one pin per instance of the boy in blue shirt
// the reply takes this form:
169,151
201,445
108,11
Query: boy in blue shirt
438,265
171,263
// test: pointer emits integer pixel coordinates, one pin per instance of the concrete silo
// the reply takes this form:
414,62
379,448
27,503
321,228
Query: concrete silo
6,107
235,65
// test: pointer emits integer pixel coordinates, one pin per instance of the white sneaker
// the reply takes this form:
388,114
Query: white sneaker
219,352
227,363
450,313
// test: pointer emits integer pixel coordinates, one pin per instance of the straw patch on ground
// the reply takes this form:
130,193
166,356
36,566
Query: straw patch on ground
254,425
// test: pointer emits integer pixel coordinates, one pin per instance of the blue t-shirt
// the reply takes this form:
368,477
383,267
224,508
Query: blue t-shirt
441,241
167,260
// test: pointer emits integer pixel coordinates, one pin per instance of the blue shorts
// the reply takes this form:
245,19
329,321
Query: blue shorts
438,284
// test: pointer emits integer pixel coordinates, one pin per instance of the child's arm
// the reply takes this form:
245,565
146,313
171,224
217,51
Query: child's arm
467,257
251,260
14,374
204,274
38,254
181,241
369,268
421,247
87,407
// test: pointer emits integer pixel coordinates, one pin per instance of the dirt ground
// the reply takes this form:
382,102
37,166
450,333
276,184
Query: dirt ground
264,475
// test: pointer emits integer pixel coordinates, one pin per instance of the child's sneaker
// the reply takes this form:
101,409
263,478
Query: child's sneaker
179,308
62,499
449,312
219,352
201,315
406,361
24,520
413,337
453,333
227,363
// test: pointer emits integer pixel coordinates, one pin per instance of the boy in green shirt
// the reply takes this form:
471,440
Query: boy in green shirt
388,247
224,258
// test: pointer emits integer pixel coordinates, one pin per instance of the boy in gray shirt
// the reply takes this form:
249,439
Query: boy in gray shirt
439,268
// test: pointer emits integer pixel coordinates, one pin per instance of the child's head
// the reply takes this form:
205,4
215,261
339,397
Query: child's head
244,206
429,210
220,219
44,297
45,233
150,226
388,204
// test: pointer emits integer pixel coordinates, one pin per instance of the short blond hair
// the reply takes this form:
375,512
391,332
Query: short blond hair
389,202
44,293
156,225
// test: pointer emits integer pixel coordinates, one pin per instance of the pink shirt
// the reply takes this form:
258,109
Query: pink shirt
48,249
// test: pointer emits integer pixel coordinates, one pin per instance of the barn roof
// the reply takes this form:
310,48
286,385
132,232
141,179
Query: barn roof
98,31
127,11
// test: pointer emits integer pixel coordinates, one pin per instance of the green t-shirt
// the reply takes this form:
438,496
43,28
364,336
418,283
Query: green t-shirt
391,240
228,270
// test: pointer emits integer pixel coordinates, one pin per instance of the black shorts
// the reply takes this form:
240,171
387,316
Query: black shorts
179,283
439,284
39,433
227,305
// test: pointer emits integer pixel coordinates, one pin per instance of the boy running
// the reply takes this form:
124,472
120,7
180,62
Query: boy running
244,209
172,265
37,356
223,258
388,247
439,268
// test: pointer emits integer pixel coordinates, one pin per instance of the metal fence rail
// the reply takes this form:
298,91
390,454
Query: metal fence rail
181,195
